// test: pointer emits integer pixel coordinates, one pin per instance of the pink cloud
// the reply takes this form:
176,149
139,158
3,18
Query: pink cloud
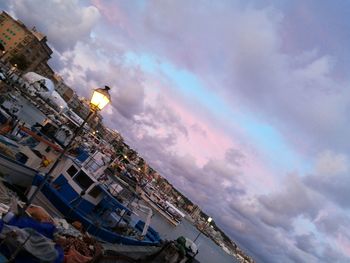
207,142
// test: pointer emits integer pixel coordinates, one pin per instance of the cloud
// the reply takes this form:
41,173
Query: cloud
241,56
307,242
331,177
85,70
333,223
253,59
292,201
65,22
329,164
235,157
248,67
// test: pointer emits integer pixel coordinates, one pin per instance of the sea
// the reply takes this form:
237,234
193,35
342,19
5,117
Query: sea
208,251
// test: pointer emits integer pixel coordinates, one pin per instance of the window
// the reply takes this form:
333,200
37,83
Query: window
83,180
95,191
72,171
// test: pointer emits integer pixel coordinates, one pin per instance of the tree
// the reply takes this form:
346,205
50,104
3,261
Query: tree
21,61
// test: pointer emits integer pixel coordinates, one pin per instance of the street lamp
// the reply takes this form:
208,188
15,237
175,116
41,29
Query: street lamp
100,98
206,224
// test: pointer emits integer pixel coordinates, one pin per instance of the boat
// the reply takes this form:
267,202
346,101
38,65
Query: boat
164,208
22,157
21,160
15,172
74,193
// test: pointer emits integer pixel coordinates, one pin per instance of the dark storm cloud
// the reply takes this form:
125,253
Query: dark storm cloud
334,223
336,188
294,200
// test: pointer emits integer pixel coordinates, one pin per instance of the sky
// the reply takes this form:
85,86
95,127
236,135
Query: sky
242,105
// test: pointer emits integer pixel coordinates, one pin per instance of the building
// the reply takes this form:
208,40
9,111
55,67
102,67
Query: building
74,102
112,136
79,105
28,47
63,89
196,211
83,108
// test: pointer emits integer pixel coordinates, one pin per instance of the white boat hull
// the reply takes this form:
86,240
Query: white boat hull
15,172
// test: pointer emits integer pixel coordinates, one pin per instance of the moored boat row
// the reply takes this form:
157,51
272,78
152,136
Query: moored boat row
77,189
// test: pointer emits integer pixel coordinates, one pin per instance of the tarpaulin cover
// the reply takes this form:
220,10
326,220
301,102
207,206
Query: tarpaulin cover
46,229
35,247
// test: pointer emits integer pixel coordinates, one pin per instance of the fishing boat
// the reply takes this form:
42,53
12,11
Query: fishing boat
169,213
14,171
21,160
74,193
26,151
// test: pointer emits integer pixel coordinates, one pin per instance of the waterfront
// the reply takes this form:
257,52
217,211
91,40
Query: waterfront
29,113
208,251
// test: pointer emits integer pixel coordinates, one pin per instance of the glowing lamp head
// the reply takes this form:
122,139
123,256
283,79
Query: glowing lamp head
100,98
209,219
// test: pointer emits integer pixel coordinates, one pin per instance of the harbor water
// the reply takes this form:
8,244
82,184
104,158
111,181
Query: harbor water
29,113
209,252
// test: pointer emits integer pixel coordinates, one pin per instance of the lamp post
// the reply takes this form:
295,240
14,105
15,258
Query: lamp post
100,98
206,224
3,52
2,49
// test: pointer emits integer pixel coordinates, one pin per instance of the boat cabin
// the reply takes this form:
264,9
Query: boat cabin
77,185
77,195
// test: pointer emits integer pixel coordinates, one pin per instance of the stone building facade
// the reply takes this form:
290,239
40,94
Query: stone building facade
19,41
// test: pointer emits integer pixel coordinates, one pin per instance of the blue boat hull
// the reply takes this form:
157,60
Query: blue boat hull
94,228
